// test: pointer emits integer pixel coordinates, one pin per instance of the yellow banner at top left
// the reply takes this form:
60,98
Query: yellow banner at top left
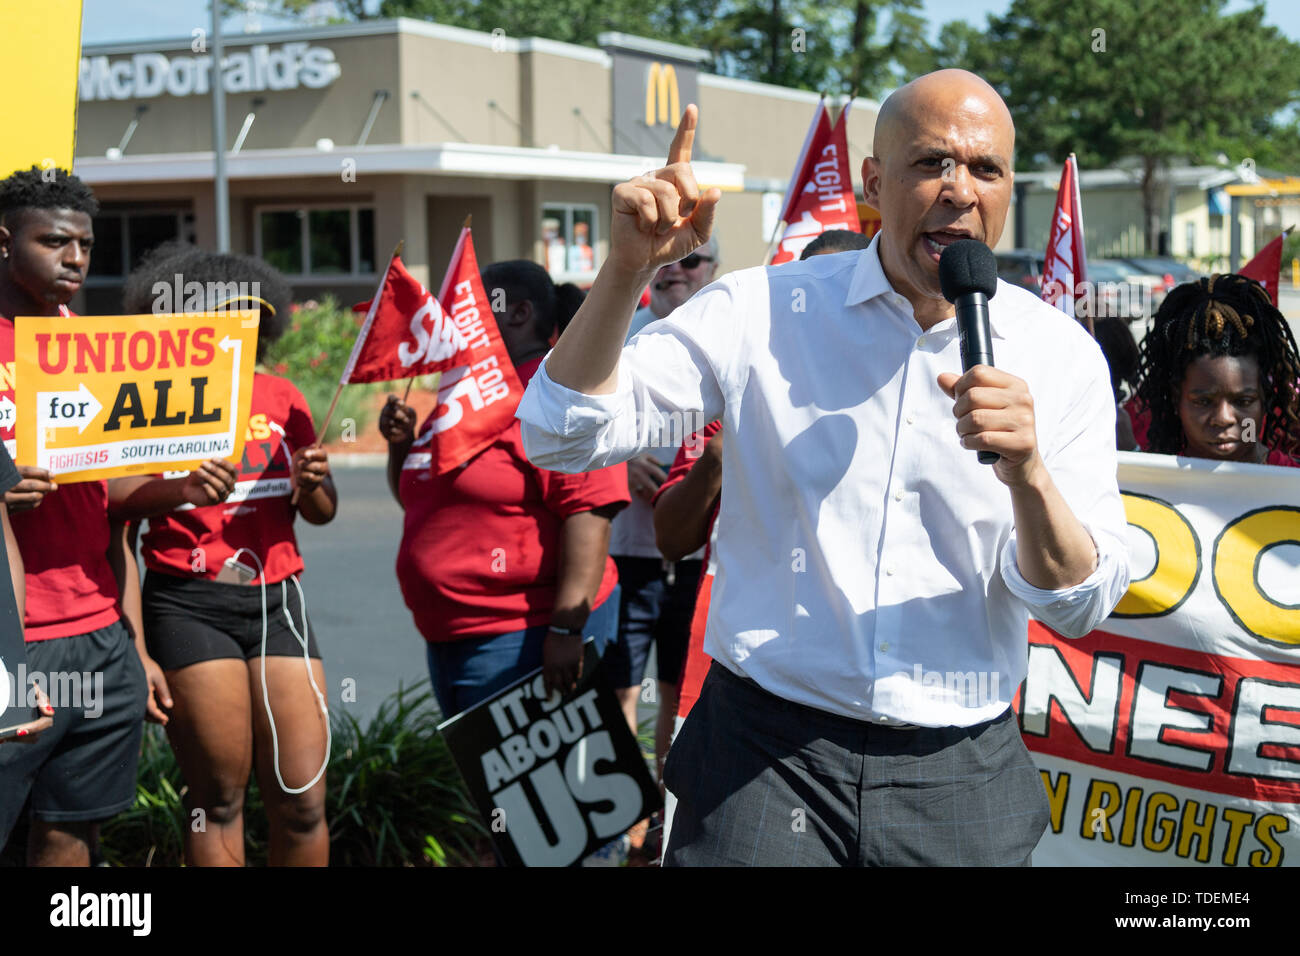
40,60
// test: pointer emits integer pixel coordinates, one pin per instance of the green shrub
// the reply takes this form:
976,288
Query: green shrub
393,797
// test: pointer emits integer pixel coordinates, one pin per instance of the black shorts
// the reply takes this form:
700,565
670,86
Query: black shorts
83,767
190,620
652,611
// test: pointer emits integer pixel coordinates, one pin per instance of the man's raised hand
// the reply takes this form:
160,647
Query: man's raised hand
662,217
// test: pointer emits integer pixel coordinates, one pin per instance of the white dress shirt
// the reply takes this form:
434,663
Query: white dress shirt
632,532
866,561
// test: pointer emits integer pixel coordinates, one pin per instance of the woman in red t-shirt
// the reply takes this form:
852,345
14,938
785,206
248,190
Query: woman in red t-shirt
505,566
224,613
1219,376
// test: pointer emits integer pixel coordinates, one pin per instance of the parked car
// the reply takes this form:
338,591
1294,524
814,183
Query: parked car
1171,270
1114,291
1022,267
1153,285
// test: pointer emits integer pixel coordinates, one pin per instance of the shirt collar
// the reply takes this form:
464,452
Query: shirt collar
869,280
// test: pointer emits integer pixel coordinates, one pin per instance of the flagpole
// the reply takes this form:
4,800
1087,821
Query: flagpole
320,433
338,391
1081,267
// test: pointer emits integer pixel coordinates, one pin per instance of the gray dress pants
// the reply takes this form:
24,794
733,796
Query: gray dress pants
762,781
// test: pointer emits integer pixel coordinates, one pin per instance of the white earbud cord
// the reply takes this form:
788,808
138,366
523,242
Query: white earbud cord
306,655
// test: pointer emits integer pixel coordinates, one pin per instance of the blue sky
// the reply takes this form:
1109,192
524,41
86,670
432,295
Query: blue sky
117,20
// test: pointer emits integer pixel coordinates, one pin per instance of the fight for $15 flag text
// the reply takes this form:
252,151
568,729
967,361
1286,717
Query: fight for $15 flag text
408,332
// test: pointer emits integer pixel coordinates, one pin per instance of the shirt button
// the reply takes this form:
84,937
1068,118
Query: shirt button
889,569
884,647
920,342
898,495
911,419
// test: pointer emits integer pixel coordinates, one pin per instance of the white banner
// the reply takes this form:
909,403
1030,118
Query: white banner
1171,735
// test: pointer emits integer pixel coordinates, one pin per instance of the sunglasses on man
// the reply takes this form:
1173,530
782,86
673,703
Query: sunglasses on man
693,260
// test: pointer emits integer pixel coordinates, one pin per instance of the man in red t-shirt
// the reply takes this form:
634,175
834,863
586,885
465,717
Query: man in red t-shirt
81,612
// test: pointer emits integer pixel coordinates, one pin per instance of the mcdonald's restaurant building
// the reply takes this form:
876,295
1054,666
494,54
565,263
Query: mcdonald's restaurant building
341,140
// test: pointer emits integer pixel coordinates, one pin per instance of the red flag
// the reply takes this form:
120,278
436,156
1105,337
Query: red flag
408,332
1065,272
1264,268
803,165
821,195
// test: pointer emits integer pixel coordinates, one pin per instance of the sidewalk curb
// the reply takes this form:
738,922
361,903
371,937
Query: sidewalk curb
358,459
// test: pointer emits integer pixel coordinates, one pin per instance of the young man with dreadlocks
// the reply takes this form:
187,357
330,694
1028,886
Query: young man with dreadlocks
82,607
1219,376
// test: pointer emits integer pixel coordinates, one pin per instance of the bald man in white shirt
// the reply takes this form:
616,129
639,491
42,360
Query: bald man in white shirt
868,620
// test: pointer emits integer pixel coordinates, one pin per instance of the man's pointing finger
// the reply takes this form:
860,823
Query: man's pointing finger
684,139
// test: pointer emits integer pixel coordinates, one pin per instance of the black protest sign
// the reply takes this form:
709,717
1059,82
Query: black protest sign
554,779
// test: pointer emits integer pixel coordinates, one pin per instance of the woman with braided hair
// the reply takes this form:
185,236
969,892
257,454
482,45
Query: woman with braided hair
1220,376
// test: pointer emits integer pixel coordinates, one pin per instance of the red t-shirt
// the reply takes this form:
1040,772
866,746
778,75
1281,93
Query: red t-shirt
480,544
64,540
257,515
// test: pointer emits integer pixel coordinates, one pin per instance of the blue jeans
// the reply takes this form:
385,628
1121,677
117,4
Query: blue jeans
469,671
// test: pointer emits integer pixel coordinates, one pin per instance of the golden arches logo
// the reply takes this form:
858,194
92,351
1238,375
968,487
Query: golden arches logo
662,101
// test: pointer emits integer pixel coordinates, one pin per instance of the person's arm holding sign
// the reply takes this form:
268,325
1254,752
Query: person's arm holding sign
584,547
146,496
27,494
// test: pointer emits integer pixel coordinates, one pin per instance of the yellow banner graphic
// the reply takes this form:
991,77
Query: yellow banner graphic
40,53
103,396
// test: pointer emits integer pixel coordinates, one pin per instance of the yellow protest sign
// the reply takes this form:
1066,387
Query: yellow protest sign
103,396
40,54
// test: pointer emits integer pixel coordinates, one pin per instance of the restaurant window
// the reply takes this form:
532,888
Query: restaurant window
569,236
317,241
122,236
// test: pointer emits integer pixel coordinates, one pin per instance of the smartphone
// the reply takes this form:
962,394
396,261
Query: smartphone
235,572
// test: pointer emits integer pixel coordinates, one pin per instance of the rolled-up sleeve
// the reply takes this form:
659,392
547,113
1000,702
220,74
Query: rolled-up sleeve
1082,463
672,378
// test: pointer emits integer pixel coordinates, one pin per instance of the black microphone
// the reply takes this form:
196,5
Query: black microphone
968,276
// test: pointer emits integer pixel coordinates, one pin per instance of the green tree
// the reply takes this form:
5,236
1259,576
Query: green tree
799,43
872,66
1159,82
